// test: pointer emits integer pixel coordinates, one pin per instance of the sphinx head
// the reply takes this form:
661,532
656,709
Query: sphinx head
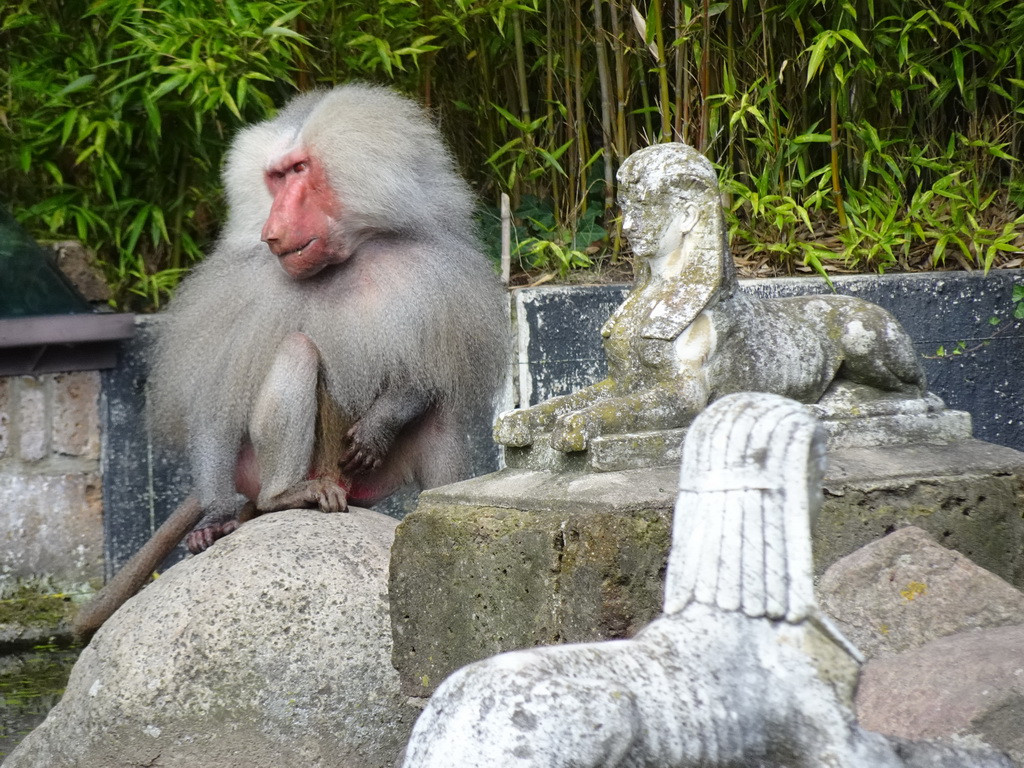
667,191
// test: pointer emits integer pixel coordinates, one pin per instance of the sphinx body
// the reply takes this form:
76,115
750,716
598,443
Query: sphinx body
686,335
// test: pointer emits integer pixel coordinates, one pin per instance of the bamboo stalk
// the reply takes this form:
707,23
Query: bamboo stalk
730,56
677,57
662,66
506,239
705,77
620,141
582,140
645,99
684,48
571,164
549,95
837,190
606,106
521,82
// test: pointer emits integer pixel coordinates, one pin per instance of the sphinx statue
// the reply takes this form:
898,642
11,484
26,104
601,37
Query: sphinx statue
686,335
741,669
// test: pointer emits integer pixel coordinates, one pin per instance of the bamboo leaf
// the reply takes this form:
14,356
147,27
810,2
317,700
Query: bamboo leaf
821,45
77,84
813,138
551,161
274,31
854,38
153,114
168,85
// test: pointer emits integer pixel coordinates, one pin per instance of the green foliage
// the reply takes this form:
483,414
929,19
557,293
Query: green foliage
119,121
541,243
849,136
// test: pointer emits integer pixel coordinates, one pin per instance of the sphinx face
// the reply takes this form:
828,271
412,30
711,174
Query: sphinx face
661,188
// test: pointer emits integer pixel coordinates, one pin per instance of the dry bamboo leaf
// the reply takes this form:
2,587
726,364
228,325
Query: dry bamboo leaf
641,26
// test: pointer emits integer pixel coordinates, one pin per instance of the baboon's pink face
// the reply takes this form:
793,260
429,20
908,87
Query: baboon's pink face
303,216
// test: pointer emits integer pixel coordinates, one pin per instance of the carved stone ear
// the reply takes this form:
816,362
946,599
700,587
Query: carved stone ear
689,217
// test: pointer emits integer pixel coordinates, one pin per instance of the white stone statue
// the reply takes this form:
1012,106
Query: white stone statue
685,335
740,670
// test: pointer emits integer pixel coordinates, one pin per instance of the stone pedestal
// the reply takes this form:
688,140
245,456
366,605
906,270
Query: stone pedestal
527,557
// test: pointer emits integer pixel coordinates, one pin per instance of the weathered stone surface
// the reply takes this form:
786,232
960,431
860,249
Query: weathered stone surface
967,687
75,419
52,525
5,415
474,579
685,335
461,560
856,416
82,268
853,416
270,649
969,495
740,669
33,430
902,591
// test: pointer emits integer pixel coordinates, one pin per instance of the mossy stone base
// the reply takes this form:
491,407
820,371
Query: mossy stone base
968,495
517,559
521,558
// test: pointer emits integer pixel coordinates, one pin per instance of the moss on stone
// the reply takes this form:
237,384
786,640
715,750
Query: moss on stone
30,608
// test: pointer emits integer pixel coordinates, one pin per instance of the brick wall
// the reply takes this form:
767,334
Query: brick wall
51,502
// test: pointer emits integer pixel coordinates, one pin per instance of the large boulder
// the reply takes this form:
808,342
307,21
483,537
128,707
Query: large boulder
904,590
966,688
270,649
946,639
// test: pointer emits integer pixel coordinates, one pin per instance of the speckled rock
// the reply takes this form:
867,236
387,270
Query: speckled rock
902,591
270,649
966,688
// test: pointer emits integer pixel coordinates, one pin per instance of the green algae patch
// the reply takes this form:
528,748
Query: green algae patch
30,609
30,684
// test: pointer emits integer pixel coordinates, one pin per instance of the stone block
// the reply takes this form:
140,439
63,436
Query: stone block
518,559
900,592
968,495
33,431
52,524
920,421
522,557
5,415
76,418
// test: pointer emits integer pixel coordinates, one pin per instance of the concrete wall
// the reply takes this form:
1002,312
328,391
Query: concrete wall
51,505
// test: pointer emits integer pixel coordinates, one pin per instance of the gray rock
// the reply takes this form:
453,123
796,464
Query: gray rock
967,688
270,649
904,590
